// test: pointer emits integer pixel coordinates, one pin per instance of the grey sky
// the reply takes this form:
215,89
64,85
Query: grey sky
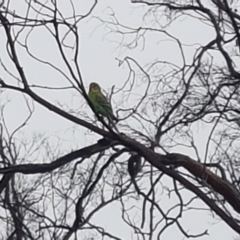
99,49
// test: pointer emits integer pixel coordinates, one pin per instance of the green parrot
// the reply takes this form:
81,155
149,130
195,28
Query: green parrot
100,102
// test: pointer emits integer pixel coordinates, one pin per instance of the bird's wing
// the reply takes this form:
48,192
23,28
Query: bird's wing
103,101
105,105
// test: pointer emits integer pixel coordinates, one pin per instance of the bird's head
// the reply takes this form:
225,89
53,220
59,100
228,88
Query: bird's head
94,87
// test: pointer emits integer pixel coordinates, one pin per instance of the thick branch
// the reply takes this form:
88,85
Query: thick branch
48,167
219,185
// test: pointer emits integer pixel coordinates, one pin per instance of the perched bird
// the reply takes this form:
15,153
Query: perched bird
100,102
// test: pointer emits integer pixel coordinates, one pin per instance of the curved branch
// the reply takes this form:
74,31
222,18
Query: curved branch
48,167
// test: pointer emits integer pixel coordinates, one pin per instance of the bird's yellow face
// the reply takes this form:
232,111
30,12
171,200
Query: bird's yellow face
94,87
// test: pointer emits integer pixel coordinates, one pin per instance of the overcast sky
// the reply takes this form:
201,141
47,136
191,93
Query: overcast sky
99,51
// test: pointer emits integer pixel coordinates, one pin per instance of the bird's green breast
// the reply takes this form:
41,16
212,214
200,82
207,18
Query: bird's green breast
97,106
